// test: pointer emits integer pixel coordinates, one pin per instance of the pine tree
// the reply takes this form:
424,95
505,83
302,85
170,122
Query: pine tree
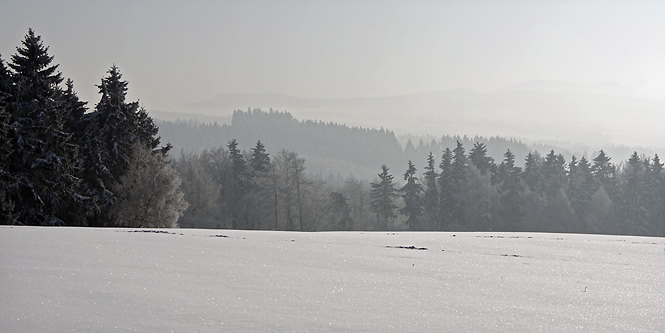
478,157
6,179
237,189
382,198
554,174
510,189
43,159
113,131
411,193
578,189
656,191
458,177
604,173
260,161
633,207
447,199
532,174
431,200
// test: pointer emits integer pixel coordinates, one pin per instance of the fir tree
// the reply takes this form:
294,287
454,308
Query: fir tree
431,200
43,159
554,174
382,196
6,179
634,212
478,157
509,189
532,174
114,130
580,184
447,199
656,191
458,177
237,188
260,161
411,193
604,173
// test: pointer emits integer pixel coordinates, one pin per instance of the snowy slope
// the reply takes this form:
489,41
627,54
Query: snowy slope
87,280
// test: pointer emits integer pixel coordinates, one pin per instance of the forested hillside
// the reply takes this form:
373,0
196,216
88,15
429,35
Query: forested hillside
62,164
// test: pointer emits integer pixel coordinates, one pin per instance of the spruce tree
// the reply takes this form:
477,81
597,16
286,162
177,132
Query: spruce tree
554,174
478,157
114,130
633,206
532,174
431,199
382,198
6,179
238,186
260,161
43,159
510,189
411,193
656,190
579,187
447,199
604,173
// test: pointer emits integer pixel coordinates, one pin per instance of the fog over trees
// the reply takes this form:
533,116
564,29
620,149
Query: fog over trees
64,164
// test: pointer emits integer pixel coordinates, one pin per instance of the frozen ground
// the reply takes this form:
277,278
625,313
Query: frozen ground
87,280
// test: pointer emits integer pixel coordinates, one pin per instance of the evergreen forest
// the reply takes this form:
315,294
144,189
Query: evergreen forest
63,163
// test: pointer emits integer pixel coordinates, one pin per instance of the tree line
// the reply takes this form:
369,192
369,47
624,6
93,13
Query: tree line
228,188
63,165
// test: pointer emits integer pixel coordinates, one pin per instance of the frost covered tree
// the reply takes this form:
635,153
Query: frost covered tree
43,156
340,211
148,193
289,169
113,131
200,189
6,178
383,196
411,193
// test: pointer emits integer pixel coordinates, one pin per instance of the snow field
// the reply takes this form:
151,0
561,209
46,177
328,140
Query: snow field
183,280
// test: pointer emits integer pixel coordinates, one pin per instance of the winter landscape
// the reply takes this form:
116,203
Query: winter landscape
296,166
184,280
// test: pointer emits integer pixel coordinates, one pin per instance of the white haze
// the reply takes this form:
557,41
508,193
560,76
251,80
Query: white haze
601,62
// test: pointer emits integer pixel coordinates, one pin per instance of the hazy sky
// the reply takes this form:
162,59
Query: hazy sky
177,52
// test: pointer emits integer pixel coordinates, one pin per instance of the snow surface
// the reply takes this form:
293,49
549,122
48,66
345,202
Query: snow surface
86,279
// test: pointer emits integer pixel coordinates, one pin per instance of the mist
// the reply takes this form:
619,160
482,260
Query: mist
585,71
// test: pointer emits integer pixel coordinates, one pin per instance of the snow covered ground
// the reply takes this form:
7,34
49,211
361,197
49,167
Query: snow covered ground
87,280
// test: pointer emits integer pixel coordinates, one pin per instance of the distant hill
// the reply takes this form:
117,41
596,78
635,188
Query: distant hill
597,115
341,150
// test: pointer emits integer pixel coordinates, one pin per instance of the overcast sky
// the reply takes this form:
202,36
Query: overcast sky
177,52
